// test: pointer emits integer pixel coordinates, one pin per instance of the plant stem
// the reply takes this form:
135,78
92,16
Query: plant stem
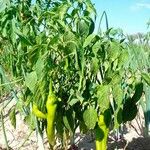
4,132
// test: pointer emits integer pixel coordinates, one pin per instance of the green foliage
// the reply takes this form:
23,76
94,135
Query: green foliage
146,78
90,117
139,63
103,97
129,110
31,80
138,92
12,116
55,40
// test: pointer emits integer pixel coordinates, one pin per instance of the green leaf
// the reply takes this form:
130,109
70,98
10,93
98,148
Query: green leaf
68,36
13,28
68,120
88,40
24,39
73,101
88,87
146,78
138,92
31,80
118,94
39,67
83,28
122,59
63,10
90,7
107,117
12,117
60,125
96,47
103,96
90,117
30,120
116,78
117,118
129,110
92,26
79,97
83,127
95,65
69,48
115,64
114,50
80,1
70,42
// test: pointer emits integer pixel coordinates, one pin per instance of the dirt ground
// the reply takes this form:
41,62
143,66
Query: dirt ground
131,138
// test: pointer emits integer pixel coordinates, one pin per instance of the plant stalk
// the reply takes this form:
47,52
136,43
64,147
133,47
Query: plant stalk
4,132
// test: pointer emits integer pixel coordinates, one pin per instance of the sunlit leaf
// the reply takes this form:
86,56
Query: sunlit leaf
31,80
146,78
103,92
90,117
12,117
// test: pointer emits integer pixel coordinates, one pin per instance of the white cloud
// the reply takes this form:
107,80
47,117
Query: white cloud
139,6
143,5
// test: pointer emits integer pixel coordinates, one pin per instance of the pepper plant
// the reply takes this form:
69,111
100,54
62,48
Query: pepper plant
71,77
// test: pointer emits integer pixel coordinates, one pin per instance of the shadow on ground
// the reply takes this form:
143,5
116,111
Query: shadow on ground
139,144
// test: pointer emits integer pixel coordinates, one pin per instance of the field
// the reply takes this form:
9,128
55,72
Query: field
66,85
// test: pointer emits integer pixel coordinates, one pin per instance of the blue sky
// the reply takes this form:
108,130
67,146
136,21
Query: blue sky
130,15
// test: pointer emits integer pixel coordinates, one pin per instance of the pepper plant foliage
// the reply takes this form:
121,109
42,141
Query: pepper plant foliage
49,40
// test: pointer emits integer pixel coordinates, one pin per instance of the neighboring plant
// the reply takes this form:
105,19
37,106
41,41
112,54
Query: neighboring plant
72,77
139,62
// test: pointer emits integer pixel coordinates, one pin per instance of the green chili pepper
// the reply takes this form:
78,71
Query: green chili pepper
51,106
37,112
101,133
